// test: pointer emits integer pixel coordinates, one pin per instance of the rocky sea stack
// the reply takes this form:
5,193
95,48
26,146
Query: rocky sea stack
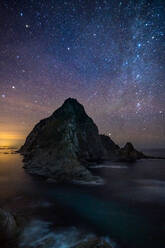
129,154
62,146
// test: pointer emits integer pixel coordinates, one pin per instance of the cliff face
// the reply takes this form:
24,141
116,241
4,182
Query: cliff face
111,150
58,145
68,130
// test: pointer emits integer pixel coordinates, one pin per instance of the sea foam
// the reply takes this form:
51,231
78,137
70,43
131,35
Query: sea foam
109,166
39,233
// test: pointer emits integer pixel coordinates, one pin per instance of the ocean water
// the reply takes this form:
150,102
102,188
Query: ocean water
127,208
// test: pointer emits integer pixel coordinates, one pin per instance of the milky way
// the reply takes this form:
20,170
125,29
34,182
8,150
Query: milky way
110,55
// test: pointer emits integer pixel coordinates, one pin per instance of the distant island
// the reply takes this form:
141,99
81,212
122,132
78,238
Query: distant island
63,146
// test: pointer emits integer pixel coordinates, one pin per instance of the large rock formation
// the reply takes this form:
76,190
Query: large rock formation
62,145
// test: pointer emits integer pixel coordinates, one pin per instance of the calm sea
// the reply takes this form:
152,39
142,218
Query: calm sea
128,209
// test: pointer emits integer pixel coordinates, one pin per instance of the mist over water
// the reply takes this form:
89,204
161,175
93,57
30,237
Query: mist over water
128,208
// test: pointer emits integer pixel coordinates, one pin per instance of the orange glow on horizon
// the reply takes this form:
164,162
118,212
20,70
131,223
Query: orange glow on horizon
9,138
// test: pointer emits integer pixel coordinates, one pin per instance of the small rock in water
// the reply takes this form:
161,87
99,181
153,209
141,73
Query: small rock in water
129,154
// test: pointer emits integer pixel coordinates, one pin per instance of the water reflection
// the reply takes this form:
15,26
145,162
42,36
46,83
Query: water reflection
129,207
13,178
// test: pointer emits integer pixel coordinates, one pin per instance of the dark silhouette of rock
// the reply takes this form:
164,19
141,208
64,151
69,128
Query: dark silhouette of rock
59,145
8,226
110,148
129,154
62,146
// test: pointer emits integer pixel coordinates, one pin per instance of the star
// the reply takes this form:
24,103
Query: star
139,45
138,105
109,55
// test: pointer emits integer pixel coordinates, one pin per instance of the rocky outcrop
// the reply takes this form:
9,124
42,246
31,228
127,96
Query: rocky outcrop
62,145
8,226
129,154
68,126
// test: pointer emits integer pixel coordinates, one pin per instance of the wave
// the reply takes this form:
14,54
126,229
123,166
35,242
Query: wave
109,166
152,182
39,233
42,204
150,190
96,181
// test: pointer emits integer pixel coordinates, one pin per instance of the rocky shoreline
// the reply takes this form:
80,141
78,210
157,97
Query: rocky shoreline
21,232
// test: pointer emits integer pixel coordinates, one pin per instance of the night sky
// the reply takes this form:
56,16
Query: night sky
108,54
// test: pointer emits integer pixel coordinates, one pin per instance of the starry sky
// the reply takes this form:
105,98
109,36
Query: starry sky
108,54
